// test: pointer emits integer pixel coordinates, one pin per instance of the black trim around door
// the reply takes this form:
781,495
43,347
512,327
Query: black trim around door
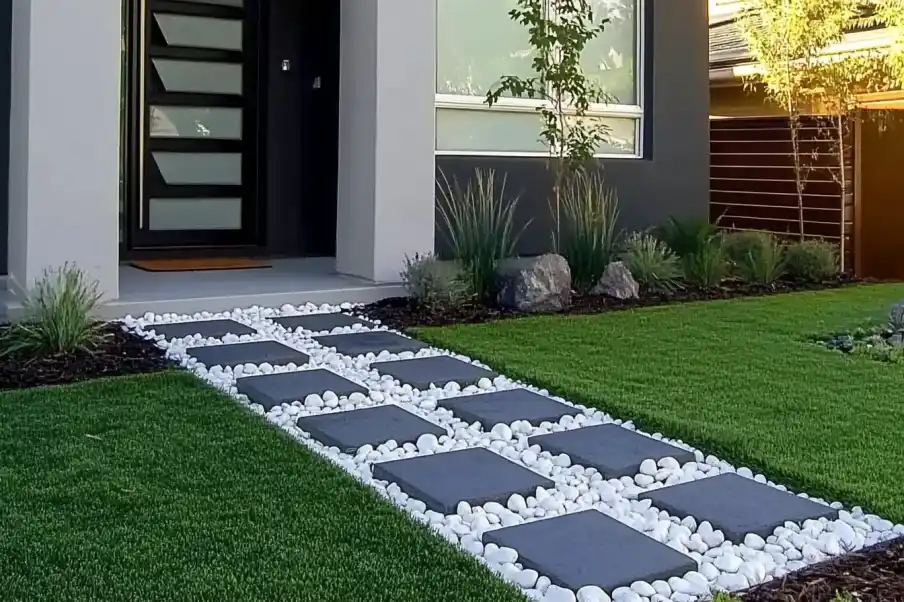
145,180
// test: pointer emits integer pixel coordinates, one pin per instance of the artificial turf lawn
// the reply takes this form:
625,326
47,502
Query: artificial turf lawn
159,488
737,379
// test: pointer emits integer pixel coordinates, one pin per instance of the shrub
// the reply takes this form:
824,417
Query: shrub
59,316
811,260
756,257
707,266
588,238
434,283
479,227
686,237
655,267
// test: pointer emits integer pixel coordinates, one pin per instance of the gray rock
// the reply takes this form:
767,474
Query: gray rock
896,316
535,284
617,282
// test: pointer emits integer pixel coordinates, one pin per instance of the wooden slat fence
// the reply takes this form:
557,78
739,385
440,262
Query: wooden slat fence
752,185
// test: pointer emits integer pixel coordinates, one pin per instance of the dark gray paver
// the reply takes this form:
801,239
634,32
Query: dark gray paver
271,390
590,548
362,343
321,322
206,328
736,505
505,407
421,372
476,476
609,448
256,352
350,430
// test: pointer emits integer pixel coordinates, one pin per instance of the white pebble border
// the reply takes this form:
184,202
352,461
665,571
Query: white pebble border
723,566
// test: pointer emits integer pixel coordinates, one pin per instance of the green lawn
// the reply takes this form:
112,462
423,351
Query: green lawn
159,488
734,378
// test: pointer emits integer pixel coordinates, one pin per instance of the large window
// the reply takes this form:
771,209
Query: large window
477,43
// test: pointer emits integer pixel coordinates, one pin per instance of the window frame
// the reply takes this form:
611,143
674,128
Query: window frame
525,105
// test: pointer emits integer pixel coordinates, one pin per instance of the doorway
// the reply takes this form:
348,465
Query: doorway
302,126
233,131
194,142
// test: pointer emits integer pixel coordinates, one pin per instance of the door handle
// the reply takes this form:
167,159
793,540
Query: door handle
316,84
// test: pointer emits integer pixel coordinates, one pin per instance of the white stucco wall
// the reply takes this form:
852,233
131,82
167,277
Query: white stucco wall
64,140
386,136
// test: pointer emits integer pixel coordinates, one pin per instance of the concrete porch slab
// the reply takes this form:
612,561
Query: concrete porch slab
294,281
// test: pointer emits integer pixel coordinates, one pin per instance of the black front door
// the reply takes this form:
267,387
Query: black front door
196,104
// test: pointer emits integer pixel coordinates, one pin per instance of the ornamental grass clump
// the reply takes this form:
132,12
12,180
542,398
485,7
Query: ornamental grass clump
756,257
59,316
478,221
588,236
654,266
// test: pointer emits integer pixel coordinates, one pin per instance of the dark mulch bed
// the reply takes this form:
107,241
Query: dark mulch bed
120,353
872,575
400,313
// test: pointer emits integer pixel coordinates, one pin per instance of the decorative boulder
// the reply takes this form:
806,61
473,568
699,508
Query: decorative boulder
617,282
535,284
896,315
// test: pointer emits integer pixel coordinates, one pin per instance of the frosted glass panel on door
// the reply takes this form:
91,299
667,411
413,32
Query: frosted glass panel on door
199,77
216,123
195,214
200,32
219,169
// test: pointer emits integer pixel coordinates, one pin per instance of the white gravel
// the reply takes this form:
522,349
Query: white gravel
722,565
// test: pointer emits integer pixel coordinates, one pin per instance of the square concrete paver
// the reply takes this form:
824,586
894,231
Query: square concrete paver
590,548
736,505
216,329
505,407
321,322
271,390
350,430
476,476
421,372
609,448
256,352
362,343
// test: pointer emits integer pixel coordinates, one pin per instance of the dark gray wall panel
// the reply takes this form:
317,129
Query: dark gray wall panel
5,43
673,177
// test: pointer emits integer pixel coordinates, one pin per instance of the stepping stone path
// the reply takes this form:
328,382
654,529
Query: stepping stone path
208,329
737,505
324,322
617,543
257,352
475,476
271,390
505,407
350,430
440,370
590,548
609,448
362,343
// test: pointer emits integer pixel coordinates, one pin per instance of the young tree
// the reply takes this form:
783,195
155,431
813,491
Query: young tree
559,31
787,38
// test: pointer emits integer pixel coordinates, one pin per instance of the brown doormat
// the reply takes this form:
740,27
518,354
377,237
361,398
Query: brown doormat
199,265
